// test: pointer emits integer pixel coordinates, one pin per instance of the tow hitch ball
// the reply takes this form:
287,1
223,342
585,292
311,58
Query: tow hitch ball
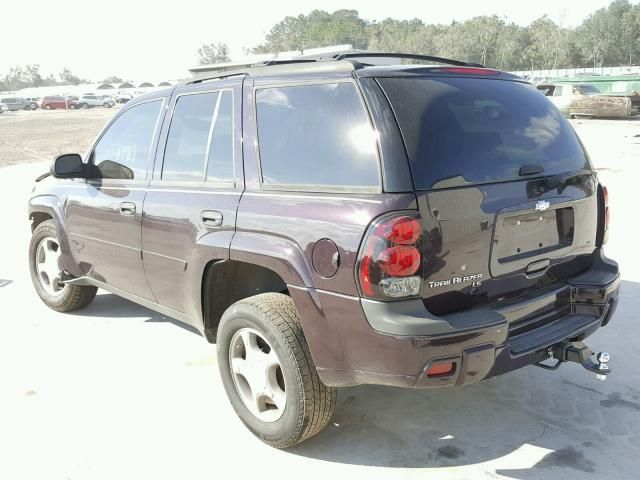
578,352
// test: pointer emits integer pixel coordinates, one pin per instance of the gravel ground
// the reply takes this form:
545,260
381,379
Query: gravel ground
42,134
116,391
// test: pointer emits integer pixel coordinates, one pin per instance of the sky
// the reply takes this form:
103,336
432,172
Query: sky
143,40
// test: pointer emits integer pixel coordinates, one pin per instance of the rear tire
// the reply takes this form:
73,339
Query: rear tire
57,296
308,405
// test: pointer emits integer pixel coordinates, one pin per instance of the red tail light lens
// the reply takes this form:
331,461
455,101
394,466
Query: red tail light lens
390,263
404,231
400,261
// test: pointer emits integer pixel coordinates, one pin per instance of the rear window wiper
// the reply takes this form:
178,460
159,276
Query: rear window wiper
530,169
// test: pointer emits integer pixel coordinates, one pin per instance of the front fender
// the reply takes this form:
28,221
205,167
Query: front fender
51,205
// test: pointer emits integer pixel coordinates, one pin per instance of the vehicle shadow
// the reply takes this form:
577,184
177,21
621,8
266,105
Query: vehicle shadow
108,305
578,421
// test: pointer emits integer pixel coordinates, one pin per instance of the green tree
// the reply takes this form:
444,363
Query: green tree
213,53
318,29
68,78
113,79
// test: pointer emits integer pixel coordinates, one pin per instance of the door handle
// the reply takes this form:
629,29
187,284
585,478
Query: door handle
211,218
127,208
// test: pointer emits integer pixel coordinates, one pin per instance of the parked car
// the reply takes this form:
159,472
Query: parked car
34,102
334,223
3,108
17,103
58,101
586,101
89,101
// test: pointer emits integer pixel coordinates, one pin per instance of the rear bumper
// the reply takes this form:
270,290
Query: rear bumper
356,341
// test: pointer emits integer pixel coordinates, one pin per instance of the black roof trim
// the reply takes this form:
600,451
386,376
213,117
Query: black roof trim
411,56
339,61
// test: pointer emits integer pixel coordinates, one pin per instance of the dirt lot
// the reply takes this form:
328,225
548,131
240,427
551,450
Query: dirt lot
41,134
116,391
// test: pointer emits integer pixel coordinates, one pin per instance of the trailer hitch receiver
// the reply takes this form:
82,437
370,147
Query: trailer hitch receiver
578,352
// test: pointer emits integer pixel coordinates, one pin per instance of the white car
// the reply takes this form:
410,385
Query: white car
87,101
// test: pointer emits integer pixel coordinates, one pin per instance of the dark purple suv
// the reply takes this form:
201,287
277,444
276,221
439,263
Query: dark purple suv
330,223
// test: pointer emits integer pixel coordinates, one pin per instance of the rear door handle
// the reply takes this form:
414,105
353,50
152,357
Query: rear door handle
211,218
127,208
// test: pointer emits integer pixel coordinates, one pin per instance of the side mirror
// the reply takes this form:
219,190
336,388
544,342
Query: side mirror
68,166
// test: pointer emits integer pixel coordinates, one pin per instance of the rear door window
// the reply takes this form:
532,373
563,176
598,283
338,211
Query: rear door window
462,131
188,138
316,137
220,161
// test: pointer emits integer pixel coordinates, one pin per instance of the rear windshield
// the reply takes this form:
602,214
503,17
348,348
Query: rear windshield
461,131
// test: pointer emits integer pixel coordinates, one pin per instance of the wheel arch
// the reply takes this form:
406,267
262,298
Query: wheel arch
48,207
225,282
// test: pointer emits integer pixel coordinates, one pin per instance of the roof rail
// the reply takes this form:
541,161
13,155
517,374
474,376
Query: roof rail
412,56
216,77
275,61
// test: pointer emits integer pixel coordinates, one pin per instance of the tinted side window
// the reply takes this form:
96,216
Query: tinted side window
316,135
557,92
189,134
123,151
220,166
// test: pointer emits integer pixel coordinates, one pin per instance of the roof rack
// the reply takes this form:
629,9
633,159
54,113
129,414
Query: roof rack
356,55
412,56
351,57
216,77
275,61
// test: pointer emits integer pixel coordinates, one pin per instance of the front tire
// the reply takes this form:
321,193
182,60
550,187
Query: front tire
268,373
46,274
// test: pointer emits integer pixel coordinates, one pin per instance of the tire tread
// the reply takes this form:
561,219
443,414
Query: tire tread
319,401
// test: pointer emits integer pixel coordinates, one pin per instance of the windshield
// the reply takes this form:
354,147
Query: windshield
462,131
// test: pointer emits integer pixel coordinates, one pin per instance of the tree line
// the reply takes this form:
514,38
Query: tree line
608,37
29,76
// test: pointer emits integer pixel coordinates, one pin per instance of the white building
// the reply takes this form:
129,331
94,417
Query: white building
132,88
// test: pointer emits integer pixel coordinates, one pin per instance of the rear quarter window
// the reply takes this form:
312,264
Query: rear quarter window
316,137
461,131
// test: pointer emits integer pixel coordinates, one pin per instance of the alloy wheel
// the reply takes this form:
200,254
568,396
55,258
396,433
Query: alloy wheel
48,266
257,374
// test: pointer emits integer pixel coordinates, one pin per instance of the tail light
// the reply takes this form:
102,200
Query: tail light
390,262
